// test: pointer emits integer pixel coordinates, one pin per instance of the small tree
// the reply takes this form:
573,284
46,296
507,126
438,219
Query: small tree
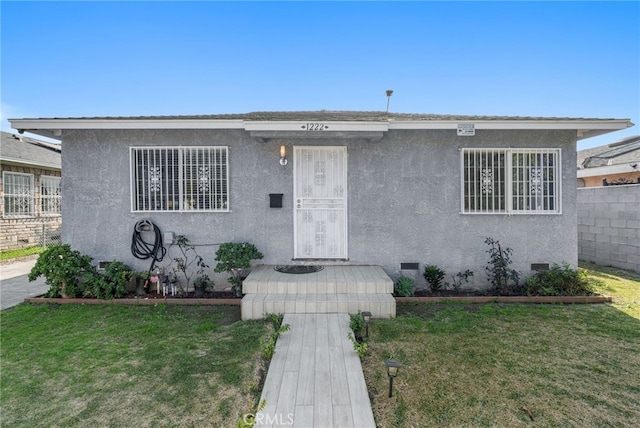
184,262
498,266
235,258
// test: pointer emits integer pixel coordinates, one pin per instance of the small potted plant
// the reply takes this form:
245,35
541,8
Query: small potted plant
63,269
142,280
235,259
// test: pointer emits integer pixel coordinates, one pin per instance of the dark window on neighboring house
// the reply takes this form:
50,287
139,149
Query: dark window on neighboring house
18,194
50,195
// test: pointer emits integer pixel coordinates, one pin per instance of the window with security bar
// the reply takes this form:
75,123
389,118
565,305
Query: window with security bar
18,194
179,179
50,195
512,181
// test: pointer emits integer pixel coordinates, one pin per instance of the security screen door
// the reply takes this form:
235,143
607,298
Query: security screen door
320,202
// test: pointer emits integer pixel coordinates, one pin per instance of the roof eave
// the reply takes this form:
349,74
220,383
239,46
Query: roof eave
607,169
53,128
29,163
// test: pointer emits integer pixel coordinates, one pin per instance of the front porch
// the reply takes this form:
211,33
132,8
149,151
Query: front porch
334,289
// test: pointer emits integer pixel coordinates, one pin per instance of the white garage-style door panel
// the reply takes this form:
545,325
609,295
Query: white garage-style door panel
320,202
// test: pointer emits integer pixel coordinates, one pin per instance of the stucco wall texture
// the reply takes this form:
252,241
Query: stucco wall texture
403,200
609,226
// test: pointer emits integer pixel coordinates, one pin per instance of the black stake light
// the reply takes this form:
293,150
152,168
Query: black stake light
367,317
392,371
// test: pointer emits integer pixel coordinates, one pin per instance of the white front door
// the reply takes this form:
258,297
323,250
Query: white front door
320,202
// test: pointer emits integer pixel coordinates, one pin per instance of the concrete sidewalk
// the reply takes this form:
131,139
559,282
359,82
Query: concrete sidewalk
15,286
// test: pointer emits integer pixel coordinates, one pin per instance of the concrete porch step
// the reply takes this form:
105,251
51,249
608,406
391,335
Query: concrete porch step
255,306
264,279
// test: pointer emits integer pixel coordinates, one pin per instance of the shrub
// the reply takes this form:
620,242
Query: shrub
500,275
434,276
235,258
358,346
404,287
559,281
275,320
460,278
62,268
356,323
111,284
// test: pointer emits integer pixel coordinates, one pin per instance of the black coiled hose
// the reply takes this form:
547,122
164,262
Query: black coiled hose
145,250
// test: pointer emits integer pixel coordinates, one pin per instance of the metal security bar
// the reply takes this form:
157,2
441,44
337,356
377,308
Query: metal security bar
50,195
535,182
484,181
513,181
179,179
18,194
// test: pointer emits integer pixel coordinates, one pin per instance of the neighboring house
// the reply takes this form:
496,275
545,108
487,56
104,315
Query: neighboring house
355,187
616,163
31,191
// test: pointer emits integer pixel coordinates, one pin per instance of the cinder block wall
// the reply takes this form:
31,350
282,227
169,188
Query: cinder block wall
609,226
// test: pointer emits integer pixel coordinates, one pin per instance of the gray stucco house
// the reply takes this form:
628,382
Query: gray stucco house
356,188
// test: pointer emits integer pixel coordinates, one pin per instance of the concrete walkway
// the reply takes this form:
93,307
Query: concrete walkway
15,286
315,378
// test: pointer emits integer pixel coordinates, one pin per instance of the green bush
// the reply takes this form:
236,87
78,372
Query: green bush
559,281
356,322
434,276
460,279
404,287
235,259
359,346
63,269
113,283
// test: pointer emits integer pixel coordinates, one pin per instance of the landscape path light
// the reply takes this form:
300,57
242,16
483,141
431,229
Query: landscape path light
367,317
392,371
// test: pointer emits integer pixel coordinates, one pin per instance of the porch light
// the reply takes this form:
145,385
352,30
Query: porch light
392,371
283,154
367,317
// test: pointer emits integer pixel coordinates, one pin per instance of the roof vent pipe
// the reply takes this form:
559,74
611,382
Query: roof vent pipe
389,92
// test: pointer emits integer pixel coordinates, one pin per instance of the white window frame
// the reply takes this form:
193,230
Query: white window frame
8,176
511,180
201,186
50,195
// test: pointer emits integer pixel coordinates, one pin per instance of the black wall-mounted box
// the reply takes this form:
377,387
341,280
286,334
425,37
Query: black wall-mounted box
275,200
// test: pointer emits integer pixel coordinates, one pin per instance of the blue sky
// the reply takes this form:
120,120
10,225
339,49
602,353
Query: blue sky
568,59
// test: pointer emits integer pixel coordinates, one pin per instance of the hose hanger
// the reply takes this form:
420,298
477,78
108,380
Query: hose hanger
144,226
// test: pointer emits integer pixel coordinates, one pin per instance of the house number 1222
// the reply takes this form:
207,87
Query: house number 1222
315,127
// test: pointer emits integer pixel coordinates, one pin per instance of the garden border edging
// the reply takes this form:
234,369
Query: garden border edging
507,299
237,302
80,301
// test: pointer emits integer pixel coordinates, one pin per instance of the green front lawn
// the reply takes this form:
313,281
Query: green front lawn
512,365
119,365
463,365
